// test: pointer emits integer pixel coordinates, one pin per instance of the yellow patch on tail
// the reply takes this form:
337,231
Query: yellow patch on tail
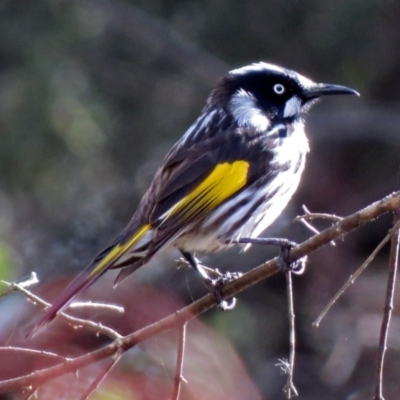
120,249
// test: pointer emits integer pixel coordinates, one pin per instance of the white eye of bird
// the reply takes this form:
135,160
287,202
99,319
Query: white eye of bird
279,88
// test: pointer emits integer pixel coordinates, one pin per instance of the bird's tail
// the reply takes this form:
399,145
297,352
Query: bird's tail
100,264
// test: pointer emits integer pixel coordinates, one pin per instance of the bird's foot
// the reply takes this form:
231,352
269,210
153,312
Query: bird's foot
285,245
285,264
215,286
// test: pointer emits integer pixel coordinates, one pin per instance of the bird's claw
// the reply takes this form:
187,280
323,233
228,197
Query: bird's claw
216,285
284,263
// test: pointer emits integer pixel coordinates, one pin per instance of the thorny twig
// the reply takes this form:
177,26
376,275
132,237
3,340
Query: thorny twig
354,276
179,363
103,306
392,272
309,216
96,383
34,352
289,388
232,288
75,322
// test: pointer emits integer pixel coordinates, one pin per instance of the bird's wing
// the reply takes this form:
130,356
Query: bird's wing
207,174
189,185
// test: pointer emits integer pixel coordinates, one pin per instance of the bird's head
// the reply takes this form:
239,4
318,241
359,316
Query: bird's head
262,94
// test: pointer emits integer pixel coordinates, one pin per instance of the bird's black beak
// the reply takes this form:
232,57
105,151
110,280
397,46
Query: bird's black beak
326,89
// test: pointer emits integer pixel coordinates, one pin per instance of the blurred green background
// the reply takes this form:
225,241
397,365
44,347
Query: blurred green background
93,93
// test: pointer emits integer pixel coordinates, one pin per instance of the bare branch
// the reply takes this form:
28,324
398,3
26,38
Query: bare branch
289,388
120,345
32,280
308,216
179,363
91,304
354,276
392,272
24,283
307,224
75,322
96,383
44,353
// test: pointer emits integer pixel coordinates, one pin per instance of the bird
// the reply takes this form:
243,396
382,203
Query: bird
226,179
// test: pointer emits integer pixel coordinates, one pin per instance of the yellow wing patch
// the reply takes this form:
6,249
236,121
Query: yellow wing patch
224,180
120,249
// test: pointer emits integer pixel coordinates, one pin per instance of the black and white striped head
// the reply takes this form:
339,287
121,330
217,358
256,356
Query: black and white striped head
261,94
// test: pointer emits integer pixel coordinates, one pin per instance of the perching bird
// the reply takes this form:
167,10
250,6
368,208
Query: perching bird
226,180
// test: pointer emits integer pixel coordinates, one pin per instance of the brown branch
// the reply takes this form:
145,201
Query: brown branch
97,382
352,278
309,216
75,322
392,272
340,229
289,388
101,306
48,354
179,363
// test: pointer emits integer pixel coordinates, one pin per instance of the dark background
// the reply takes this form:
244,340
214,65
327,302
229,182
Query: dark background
92,95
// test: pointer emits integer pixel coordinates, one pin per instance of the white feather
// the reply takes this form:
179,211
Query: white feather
244,109
291,150
292,146
304,82
263,66
260,66
292,107
203,120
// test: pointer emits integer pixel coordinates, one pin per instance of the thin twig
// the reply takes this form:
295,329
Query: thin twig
308,216
232,288
34,352
97,382
308,225
289,388
392,272
23,283
75,322
91,304
179,363
181,262
32,280
353,277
